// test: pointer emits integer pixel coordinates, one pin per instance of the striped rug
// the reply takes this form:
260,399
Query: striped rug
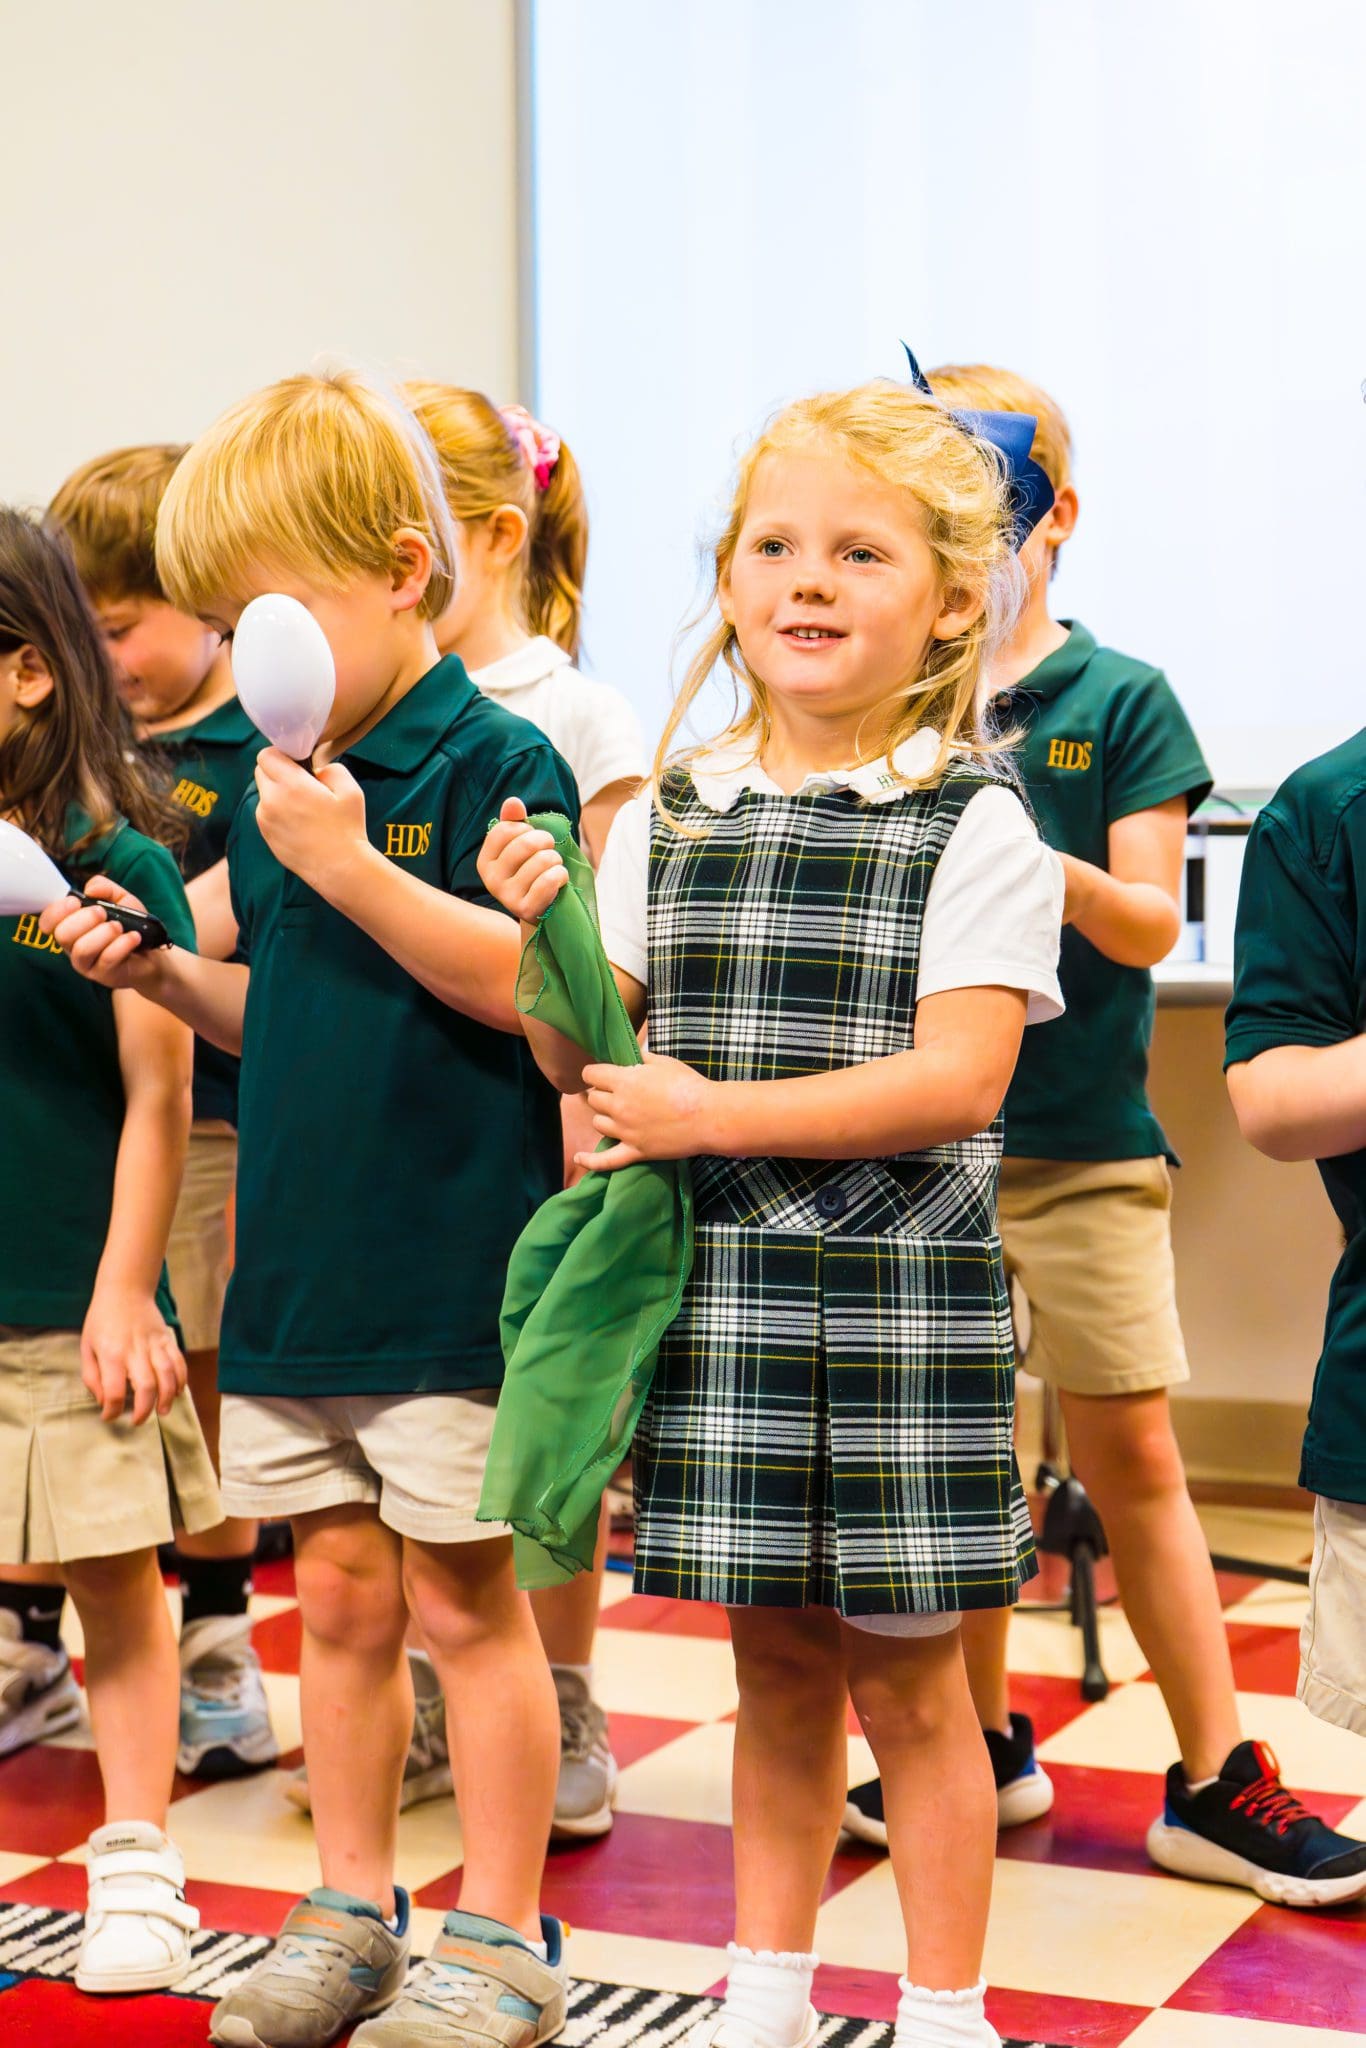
36,1941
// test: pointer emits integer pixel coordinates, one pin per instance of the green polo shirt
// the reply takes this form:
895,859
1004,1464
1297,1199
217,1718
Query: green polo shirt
1102,737
61,1093
212,763
1299,978
392,1149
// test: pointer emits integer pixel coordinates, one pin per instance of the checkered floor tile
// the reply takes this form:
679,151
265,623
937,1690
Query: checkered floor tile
1089,1945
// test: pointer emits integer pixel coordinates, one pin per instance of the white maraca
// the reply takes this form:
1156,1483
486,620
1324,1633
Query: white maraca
29,881
284,672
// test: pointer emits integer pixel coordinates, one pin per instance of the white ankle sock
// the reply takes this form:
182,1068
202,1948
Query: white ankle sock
943,2019
770,1992
583,1671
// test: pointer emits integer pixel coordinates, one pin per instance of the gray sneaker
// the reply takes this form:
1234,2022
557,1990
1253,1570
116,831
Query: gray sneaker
225,1729
480,1987
38,1692
427,1771
334,1961
587,1787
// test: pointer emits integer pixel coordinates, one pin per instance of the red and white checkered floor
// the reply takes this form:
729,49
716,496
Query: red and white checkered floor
1088,1945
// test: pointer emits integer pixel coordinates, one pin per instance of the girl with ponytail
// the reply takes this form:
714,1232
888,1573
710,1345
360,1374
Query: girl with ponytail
522,542
521,538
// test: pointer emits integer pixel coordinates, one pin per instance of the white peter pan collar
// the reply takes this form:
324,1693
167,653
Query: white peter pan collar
525,665
719,775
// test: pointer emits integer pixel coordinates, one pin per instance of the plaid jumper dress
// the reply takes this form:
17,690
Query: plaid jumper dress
831,1418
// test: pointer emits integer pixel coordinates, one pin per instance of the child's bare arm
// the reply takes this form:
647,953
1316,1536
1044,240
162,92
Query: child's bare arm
125,1341
599,813
1302,1101
465,954
1132,913
210,900
1296,1054
521,869
948,1087
563,1063
208,995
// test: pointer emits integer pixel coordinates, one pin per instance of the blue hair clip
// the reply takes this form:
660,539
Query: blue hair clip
1012,435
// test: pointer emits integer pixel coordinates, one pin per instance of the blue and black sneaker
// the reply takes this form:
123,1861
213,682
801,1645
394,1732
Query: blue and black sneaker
1024,1789
1245,1828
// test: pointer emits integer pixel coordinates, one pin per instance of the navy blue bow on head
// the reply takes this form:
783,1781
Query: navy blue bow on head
1012,435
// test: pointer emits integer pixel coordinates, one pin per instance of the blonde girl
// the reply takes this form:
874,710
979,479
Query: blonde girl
522,546
521,532
100,1453
839,919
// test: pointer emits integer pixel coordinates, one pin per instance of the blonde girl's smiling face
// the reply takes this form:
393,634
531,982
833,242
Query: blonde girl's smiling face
833,589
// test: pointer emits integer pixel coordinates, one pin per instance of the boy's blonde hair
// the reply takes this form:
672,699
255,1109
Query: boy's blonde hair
984,388
313,476
483,466
911,442
108,511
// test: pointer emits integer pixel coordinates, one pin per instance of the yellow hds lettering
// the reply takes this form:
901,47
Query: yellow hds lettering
1070,755
27,933
194,796
406,842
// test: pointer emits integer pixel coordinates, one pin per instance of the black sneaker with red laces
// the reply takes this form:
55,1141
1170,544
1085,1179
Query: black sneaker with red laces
1246,1829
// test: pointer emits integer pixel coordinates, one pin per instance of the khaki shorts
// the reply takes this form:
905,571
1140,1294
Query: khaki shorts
1089,1247
73,1486
1333,1639
418,1458
199,1254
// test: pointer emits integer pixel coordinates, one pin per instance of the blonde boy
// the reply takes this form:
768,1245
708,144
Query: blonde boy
1113,769
395,1135
175,678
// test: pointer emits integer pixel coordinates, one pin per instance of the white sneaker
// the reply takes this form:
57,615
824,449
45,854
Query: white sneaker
427,1769
225,1729
137,1924
39,1695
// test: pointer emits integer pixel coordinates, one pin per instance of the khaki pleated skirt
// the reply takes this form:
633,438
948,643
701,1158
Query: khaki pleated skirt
73,1486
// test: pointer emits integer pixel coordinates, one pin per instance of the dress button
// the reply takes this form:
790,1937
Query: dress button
832,1201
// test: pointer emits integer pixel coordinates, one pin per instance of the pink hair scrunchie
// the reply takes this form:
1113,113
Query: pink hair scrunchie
540,445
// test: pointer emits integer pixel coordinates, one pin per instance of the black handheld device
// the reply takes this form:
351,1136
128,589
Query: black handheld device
153,932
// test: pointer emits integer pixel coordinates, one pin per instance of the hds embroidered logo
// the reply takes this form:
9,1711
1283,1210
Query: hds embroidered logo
406,842
1071,755
26,933
194,796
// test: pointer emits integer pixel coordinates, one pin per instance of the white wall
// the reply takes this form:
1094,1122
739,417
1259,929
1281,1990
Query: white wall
202,195
1159,211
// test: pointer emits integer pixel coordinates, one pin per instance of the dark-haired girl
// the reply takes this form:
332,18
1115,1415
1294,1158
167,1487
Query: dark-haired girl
100,1453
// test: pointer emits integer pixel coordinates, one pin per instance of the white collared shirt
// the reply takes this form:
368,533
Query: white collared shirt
993,913
587,722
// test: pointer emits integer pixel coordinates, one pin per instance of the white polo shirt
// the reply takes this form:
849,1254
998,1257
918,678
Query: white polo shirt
993,912
590,724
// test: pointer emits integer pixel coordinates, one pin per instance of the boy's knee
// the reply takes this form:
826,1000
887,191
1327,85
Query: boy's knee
457,1610
349,1606
1142,1468
1124,1448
